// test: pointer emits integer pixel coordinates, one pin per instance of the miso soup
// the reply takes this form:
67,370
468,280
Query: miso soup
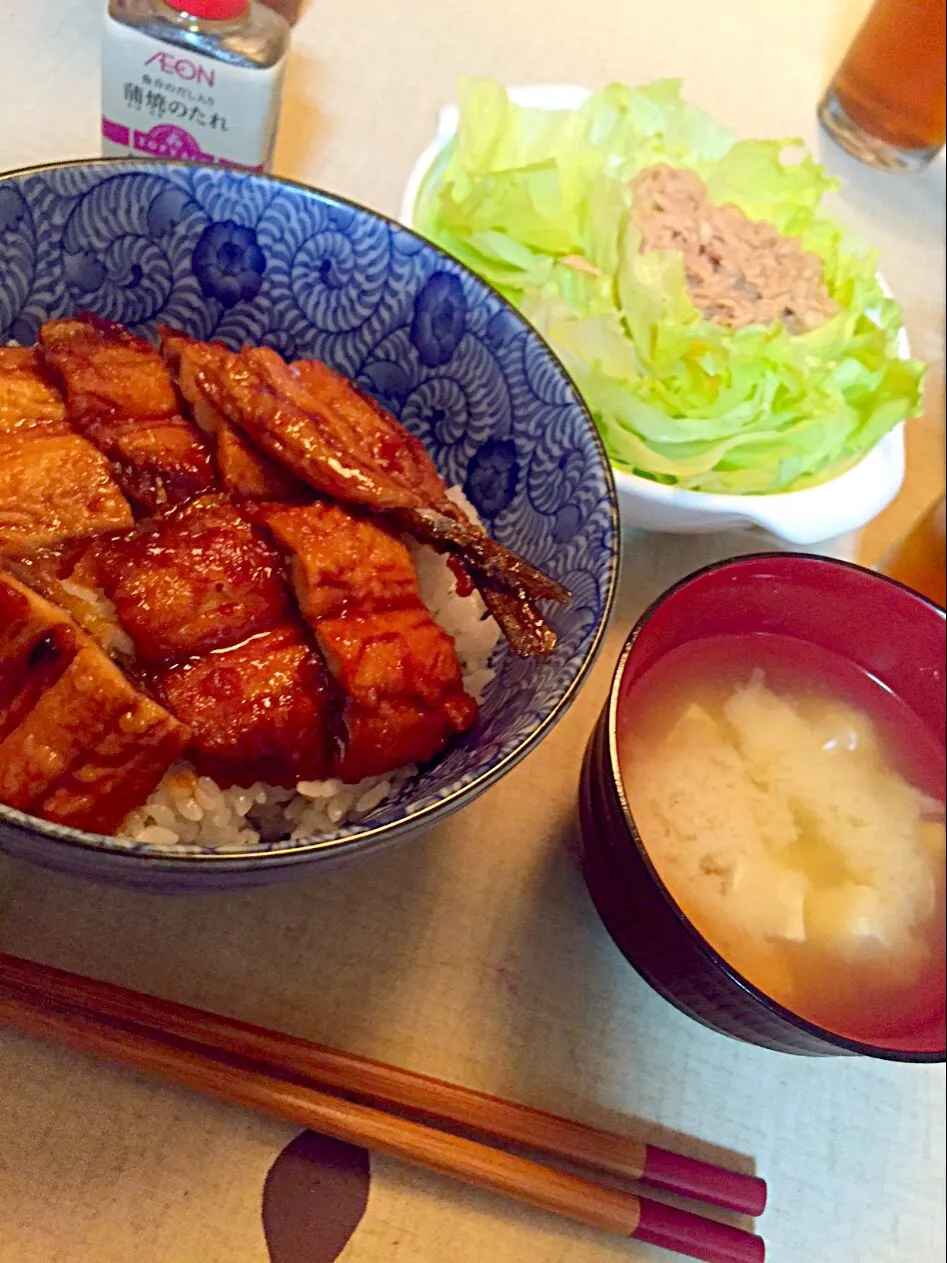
794,809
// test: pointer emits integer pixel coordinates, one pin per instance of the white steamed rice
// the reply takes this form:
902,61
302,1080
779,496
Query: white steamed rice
194,811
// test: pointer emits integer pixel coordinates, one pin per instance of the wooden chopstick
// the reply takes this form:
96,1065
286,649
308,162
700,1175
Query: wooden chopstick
230,1079
391,1089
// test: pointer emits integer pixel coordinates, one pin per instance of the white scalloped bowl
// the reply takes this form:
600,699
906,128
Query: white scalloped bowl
823,512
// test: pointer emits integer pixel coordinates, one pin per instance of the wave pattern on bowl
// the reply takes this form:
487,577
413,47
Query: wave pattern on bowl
243,258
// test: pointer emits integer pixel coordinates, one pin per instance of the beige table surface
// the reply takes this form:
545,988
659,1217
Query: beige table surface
472,953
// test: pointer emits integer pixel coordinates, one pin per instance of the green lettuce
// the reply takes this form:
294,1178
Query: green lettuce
537,202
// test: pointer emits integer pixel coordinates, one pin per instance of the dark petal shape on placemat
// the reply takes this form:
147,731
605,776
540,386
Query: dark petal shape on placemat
314,1198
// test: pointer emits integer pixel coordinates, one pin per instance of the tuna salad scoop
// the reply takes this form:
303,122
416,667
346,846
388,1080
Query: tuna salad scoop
739,271
727,333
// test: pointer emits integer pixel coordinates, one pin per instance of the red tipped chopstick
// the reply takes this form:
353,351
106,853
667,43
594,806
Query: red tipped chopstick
70,1019
391,1088
194,1066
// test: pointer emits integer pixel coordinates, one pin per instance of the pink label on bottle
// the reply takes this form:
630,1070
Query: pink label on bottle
115,132
168,141
225,162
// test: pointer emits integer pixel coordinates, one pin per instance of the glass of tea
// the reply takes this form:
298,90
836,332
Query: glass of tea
919,560
886,102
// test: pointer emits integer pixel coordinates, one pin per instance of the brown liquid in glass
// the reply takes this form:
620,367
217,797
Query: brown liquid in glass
919,561
891,82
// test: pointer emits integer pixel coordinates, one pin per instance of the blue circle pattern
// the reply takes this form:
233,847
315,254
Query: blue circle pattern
492,477
222,254
437,326
228,263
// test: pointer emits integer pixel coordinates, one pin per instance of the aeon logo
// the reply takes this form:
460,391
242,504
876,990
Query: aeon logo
181,68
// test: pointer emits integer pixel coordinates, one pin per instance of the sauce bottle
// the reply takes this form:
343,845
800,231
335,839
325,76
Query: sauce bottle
198,80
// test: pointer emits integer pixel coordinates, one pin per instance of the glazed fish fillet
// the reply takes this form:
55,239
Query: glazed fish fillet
192,580
120,396
261,710
27,400
201,593
79,744
396,669
230,528
345,446
54,485
244,470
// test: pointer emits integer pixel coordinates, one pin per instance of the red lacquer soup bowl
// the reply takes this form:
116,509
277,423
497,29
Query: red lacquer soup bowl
883,631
